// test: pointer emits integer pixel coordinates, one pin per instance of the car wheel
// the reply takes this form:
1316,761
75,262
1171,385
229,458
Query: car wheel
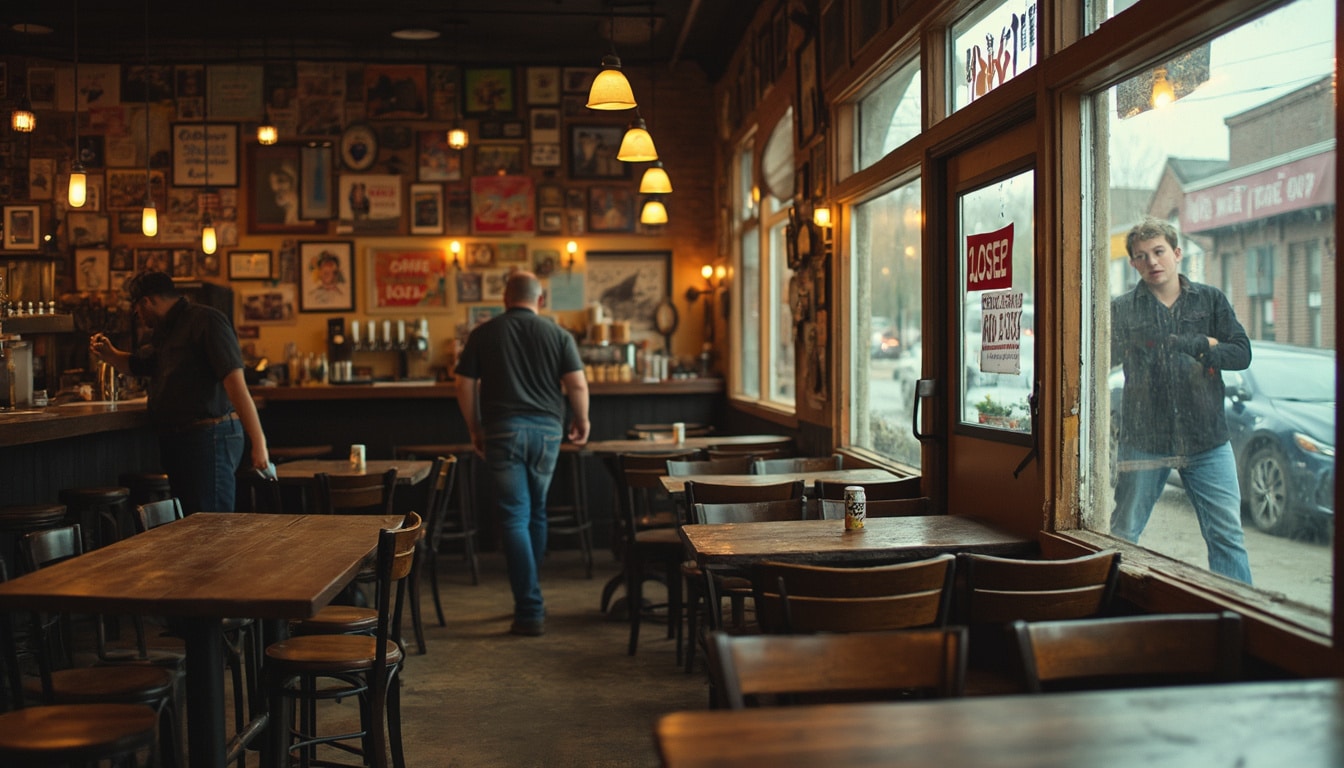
1267,495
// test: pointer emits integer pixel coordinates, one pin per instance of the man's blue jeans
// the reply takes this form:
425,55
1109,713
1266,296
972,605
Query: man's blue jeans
520,454
1210,480
201,464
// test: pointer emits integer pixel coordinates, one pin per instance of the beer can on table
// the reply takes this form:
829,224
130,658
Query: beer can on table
357,457
856,507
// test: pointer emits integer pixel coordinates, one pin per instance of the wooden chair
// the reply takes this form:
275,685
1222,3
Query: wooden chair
155,513
567,503
797,464
444,521
999,590
794,598
259,494
59,682
732,465
1130,651
834,509
76,734
879,490
857,666
313,668
354,494
772,451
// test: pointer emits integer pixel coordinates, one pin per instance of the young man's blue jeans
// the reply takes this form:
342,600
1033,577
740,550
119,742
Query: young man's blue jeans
201,463
520,454
1210,480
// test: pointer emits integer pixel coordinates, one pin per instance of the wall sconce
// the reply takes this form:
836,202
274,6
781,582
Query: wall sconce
458,138
571,248
455,248
822,217
1163,94
711,275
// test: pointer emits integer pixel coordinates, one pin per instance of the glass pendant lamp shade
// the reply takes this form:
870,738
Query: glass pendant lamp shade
653,212
655,181
267,134
78,193
209,242
149,219
611,91
458,138
637,145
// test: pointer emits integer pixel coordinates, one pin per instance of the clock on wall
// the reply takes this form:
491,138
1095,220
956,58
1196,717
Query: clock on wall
665,321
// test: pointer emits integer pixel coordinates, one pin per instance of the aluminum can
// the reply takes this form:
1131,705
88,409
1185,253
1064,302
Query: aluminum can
856,507
679,432
357,457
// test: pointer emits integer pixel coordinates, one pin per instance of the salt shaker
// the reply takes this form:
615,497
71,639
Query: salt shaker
856,507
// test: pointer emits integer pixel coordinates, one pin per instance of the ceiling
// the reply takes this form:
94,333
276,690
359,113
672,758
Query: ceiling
564,32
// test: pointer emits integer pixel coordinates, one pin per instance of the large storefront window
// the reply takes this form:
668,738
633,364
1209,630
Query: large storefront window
990,46
887,318
889,116
1212,436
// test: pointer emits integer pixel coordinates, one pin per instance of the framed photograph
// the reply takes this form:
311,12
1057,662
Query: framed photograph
592,152
545,156
611,208
492,284
23,227
544,126
266,304
426,209
396,91
126,188
503,205
630,285
41,178
510,252
317,175
807,100
411,279
370,204
190,155
153,260
550,195
92,272
184,262
359,147
84,229
550,221
327,277
457,208
487,92
251,265
443,92
234,91
434,159
469,286
543,85
276,194
480,255
498,157
578,80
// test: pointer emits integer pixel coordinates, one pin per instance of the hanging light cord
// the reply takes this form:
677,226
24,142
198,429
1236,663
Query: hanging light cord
145,83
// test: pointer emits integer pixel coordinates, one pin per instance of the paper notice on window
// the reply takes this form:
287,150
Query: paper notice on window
1001,332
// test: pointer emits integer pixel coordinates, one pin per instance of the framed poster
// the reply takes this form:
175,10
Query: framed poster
592,152
266,304
85,229
317,181
396,91
434,159
545,155
41,178
153,260
190,154
91,269
807,100
488,92
275,177
543,85
413,279
426,209
251,265
630,285
126,188
327,277
503,205
611,208
544,126
578,80
184,262
370,203
22,227
234,92
443,92
499,157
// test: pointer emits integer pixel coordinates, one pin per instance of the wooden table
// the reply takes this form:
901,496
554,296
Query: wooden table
677,483
883,540
1298,723
666,444
200,569
409,471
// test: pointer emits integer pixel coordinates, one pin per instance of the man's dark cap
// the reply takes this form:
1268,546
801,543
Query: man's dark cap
150,284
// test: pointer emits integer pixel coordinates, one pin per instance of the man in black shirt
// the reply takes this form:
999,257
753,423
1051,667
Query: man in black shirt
513,378
198,401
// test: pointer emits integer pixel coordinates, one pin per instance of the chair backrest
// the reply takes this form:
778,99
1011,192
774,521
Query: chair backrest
396,559
733,465
439,522
155,513
1130,651
39,549
257,493
772,451
355,494
751,511
879,490
997,590
857,666
808,598
701,492
834,509
797,464
639,479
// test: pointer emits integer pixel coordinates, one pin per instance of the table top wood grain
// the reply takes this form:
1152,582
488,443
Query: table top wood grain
677,483
1298,723
882,540
409,471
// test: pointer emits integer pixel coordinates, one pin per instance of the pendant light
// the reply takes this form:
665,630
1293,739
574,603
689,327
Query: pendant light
22,119
457,135
637,144
653,212
267,133
149,216
209,241
610,89
655,180
79,181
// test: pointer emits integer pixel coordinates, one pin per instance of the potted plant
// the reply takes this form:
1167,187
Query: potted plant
995,414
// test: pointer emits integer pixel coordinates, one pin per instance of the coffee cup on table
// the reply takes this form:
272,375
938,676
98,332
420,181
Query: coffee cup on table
357,457
679,432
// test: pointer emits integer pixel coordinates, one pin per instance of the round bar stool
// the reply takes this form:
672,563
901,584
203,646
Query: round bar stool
102,512
146,486
567,502
18,519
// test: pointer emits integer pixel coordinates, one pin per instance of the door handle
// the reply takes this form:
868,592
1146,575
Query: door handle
923,388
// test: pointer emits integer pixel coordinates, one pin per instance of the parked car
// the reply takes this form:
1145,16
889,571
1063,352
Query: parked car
1281,417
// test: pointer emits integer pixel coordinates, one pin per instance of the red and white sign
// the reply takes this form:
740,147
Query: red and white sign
1305,183
989,260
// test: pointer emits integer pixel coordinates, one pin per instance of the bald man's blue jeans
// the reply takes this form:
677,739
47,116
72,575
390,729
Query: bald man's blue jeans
520,457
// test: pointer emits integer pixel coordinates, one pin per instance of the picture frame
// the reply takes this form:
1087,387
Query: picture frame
543,125
629,285
543,85
317,181
577,79
469,286
23,227
611,208
407,279
592,152
154,260
126,188
868,18
396,92
807,102
251,265
266,304
184,262
488,91
834,56
480,255
498,157
41,178
92,271
550,195
327,276
503,205
434,159
550,221
83,229
426,209
276,179
511,252
189,154
359,147
443,80
234,91
545,156
370,204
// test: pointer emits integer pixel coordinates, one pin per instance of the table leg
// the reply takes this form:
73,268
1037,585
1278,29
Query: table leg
206,742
